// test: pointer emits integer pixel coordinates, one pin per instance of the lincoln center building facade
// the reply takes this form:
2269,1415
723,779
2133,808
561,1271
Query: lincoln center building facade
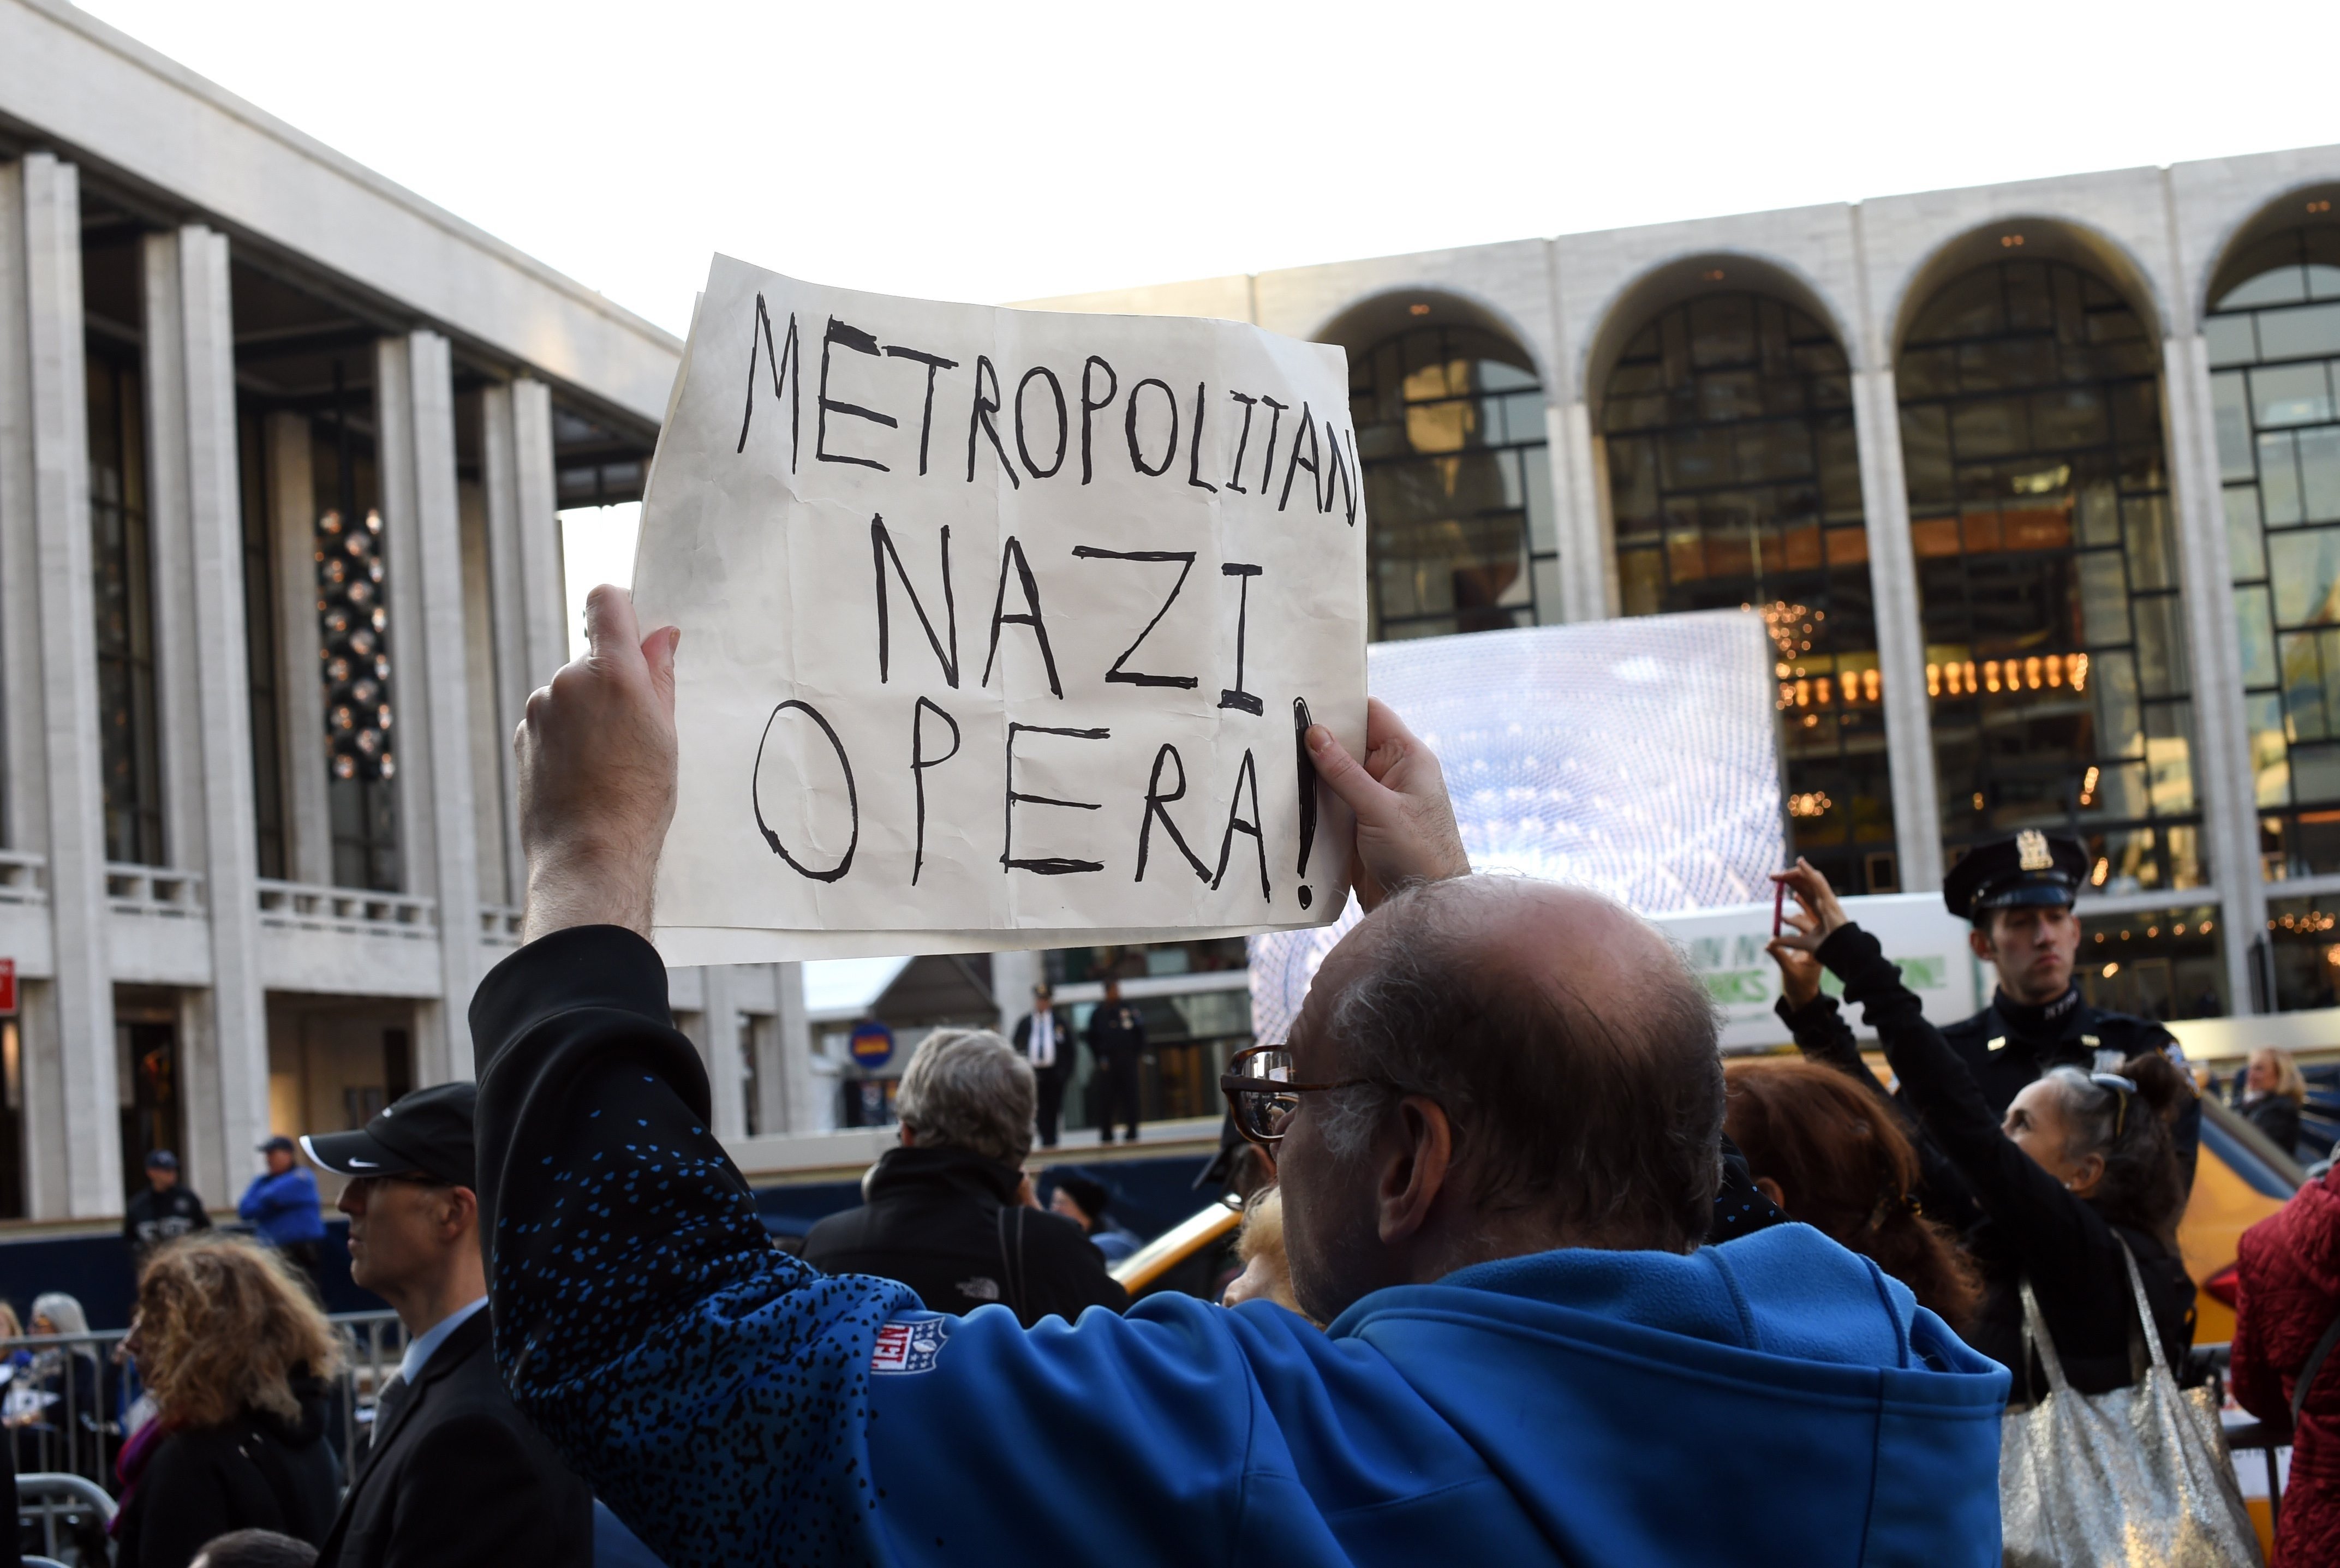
2037,486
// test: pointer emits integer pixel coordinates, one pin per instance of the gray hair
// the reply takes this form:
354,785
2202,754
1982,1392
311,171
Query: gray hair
968,1089
1603,1111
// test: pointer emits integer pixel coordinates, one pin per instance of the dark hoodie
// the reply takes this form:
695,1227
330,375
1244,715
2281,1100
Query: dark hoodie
945,1223
257,1471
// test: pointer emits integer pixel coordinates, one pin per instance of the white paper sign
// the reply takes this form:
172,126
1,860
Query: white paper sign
999,626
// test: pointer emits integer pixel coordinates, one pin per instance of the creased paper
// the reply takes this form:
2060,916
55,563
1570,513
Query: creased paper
999,626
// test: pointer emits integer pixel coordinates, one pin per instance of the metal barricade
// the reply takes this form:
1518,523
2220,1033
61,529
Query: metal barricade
68,1401
79,1505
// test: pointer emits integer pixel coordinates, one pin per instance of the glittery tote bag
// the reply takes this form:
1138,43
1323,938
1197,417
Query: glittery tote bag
2139,1477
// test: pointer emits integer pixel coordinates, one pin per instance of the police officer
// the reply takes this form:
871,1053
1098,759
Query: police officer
1116,1039
2018,894
165,1211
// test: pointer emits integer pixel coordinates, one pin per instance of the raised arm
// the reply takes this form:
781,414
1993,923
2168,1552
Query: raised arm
1812,1018
708,1387
2038,1215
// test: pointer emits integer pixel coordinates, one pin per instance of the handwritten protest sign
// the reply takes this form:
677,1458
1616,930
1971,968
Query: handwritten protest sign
1000,627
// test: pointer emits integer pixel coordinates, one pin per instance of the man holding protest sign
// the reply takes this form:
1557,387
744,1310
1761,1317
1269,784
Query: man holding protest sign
1495,1122
1525,1357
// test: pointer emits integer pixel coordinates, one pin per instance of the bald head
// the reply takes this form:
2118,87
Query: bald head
1569,1044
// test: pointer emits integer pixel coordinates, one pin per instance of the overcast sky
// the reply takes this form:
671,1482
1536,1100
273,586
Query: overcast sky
1006,150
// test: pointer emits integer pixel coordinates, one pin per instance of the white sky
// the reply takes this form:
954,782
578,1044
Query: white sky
1011,150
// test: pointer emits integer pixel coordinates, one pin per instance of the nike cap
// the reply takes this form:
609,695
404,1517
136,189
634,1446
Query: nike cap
426,1133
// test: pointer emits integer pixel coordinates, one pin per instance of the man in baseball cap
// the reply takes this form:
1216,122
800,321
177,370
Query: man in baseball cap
451,1474
166,1211
281,1207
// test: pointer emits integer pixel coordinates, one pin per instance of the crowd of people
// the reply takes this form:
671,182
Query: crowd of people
1525,1267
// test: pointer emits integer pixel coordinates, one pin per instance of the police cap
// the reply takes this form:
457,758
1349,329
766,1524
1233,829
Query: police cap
2031,868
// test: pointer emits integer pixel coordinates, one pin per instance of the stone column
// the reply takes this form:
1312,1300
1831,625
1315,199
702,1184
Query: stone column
414,406
196,500
301,692
2225,789
536,514
1013,976
73,1161
1587,566
1900,633
719,1044
178,702
508,603
794,1102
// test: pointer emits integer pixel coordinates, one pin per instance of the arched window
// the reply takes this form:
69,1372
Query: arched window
1449,429
2056,654
1734,481
2275,358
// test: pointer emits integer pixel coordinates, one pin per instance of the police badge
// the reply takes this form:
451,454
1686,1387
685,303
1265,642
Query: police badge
2031,851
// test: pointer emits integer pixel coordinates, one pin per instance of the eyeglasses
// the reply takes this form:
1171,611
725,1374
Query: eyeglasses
1262,1095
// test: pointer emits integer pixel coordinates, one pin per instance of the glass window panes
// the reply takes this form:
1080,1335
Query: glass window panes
2160,964
2276,336
1734,481
129,741
2056,664
1451,431
2301,937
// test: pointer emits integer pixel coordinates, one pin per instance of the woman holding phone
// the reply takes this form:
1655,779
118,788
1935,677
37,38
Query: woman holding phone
2081,1165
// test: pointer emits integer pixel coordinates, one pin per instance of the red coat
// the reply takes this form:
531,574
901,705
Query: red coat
2289,1273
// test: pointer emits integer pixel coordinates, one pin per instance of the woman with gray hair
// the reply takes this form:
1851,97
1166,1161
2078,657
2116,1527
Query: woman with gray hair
944,1212
2081,1168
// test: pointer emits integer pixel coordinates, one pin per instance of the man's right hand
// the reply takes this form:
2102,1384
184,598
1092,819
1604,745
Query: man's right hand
1405,824
597,774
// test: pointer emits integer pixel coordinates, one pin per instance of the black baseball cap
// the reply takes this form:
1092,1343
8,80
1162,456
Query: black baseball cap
428,1132
161,1159
2032,868
275,1143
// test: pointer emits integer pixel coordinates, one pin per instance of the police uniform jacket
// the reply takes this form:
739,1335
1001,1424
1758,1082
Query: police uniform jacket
2009,1044
153,1218
1117,1031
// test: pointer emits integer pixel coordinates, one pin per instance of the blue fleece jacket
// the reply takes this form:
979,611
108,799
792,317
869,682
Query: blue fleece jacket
1775,1399
284,1208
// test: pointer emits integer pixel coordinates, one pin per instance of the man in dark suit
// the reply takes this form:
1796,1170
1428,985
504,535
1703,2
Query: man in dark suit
451,1474
1116,1041
1043,1041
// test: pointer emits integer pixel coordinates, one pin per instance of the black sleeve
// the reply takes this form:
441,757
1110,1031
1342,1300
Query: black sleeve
707,1386
1067,1274
474,1497
1821,1033
2050,1230
182,1504
130,1226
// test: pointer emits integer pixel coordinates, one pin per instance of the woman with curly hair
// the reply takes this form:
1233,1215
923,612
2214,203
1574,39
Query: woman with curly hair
1824,1150
236,1354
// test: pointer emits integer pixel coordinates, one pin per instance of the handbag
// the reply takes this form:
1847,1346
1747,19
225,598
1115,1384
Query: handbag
2136,1476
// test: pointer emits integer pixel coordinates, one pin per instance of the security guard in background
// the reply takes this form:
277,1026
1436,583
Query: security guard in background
2018,894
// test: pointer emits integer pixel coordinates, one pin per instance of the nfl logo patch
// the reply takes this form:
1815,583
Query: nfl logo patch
909,1345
